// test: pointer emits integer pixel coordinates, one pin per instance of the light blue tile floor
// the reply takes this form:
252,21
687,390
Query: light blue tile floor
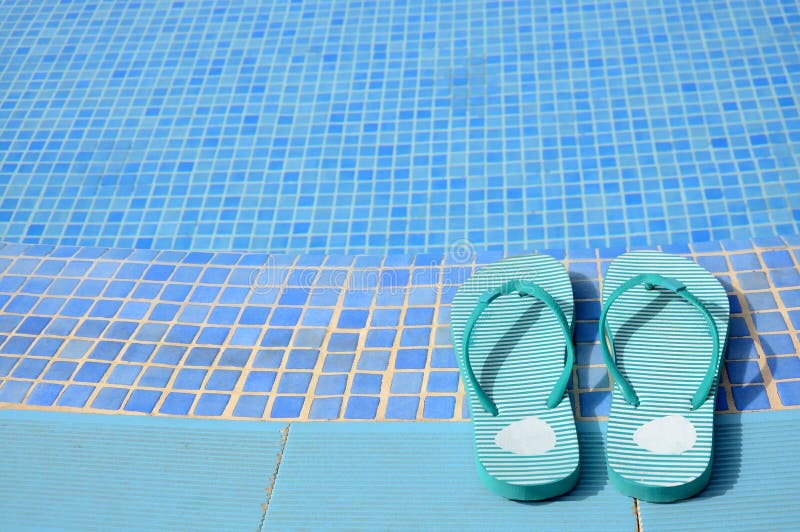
95,472
418,476
81,471
755,481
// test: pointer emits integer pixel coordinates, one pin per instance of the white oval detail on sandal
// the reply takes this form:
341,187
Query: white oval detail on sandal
528,437
672,434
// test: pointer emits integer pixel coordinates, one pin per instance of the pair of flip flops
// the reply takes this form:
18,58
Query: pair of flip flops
663,329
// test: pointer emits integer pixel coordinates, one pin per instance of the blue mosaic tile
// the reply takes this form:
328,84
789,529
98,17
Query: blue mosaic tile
177,404
402,407
287,406
142,401
75,395
436,407
44,394
110,398
250,406
750,397
14,391
789,393
211,404
361,407
325,408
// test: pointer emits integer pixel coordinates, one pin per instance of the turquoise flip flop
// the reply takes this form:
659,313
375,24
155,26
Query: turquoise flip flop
663,330
511,325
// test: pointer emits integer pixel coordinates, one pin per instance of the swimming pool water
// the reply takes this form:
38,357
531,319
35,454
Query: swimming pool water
403,126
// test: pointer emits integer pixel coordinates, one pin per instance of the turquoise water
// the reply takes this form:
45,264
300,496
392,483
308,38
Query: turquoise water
404,126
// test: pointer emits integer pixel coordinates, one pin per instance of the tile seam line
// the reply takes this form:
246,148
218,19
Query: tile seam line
271,486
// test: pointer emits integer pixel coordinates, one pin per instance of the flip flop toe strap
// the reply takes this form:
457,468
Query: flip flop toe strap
524,288
651,282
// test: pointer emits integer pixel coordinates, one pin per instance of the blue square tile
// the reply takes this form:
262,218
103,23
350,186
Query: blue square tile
110,398
211,404
385,317
406,382
259,381
443,381
785,277
353,319
6,364
91,328
142,401
155,377
268,358
776,344
164,312
789,392
402,407
14,391
234,356
124,374
366,383
277,338
743,372
595,404
373,360
309,337
91,372
182,334
75,395
317,317
60,371
151,332
294,382
189,379
44,394
331,385
343,342
285,316
223,380
245,336
136,352
411,358
213,335
752,397
439,407
361,407
302,359
250,406
380,338
33,325
443,357
325,408
287,406
177,404
121,330
415,337
768,321
787,367
338,363
777,259
744,261
106,350
29,368
254,315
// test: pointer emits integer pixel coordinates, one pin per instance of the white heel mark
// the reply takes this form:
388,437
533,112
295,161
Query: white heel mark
529,437
672,434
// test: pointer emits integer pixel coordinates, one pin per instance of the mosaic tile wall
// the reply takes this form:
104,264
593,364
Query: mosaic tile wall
326,337
395,127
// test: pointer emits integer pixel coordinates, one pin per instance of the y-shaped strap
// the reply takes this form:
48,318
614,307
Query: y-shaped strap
651,280
525,288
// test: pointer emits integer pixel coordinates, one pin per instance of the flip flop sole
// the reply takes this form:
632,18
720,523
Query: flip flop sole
528,451
660,450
